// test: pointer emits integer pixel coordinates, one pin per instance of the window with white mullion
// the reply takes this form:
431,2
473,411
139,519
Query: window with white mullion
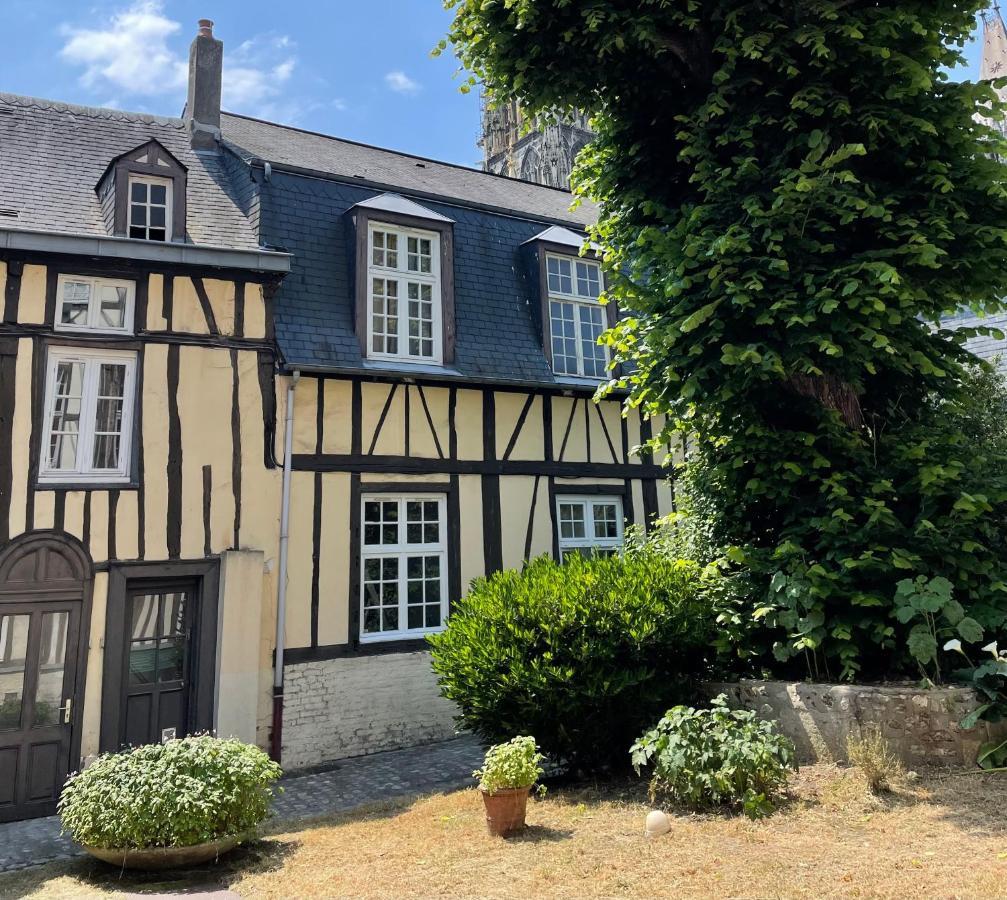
404,312
88,411
95,304
576,318
403,566
149,208
589,524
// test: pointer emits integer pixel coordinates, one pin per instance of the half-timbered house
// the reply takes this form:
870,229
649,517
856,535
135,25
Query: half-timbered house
269,401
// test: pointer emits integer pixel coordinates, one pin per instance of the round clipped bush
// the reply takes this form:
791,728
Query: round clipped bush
177,794
582,654
704,758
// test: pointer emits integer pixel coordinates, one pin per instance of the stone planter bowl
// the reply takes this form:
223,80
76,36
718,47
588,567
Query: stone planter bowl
152,859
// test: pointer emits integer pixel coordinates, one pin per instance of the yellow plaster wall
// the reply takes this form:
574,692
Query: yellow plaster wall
186,312
469,422
391,439
255,311
470,502
421,438
221,295
530,443
305,416
31,303
334,560
45,509
337,435
516,493
155,450
299,565
155,305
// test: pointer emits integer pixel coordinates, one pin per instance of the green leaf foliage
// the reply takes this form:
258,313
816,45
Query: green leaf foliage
513,764
712,757
175,794
793,197
581,654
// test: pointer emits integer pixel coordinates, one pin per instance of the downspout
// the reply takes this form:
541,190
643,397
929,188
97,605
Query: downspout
276,741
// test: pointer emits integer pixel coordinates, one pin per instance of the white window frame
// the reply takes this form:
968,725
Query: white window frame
402,551
580,303
92,360
590,541
168,203
402,276
94,305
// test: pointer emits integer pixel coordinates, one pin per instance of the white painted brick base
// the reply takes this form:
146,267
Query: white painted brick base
352,706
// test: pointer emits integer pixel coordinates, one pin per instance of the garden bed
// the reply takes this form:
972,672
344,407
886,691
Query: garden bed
921,725
940,836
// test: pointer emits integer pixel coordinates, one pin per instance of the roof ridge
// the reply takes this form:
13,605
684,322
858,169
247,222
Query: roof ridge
403,153
94,112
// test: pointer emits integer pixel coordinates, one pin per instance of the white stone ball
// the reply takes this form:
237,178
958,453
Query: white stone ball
658,823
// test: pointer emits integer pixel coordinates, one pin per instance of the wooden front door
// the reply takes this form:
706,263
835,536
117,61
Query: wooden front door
158,664
43,587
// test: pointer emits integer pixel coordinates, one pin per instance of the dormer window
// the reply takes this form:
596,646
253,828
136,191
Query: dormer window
142,194
405,288
576,318
149,208
571,284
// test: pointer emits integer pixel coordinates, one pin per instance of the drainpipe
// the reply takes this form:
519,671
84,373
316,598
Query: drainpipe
281,589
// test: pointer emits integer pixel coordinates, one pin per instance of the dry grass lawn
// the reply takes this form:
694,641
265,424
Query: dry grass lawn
943,836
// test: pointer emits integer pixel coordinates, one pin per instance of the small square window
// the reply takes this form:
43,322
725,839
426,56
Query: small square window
589,525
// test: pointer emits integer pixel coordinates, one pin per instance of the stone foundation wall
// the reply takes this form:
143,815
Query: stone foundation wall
920,725
355,705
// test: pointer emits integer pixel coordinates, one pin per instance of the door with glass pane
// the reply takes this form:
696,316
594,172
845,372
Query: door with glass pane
158,667
38,655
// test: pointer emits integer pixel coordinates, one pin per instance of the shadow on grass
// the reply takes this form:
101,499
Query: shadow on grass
257,856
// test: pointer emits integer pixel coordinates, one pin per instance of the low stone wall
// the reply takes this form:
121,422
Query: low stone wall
920,725
336,708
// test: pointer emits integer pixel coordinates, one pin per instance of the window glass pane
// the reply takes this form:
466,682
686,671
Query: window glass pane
571,520
13,651
560,275
51,656
588,280
591,328
138,215
138,192
171,660
144,623
564,343
142,662
112,313
158,194
76,298
108,415
606,524
66,406
173,614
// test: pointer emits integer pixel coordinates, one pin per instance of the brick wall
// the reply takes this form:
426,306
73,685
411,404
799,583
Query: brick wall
352,706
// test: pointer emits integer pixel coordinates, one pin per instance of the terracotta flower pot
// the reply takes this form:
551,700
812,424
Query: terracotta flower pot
156,858
505,810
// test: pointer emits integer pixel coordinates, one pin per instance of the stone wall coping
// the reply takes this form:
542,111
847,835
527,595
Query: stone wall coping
893,689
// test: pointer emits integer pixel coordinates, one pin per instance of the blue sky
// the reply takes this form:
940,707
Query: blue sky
360,70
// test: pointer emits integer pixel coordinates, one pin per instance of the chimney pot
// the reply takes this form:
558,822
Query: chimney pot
206,27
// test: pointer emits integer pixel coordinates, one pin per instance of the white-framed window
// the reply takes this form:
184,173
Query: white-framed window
403,294
102,305
576,318
403,566
88,415
149,208
589,524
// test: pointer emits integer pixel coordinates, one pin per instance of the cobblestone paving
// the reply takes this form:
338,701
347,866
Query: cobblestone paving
345,785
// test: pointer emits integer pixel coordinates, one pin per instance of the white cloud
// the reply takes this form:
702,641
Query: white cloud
131,53
401,83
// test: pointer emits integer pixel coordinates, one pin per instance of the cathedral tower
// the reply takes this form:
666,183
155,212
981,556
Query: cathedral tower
542,154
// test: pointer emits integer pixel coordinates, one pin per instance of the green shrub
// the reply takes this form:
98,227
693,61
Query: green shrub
582,655
704,758
514,764
175,794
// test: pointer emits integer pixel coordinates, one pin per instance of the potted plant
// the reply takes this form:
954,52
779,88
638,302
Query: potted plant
509,772
160,806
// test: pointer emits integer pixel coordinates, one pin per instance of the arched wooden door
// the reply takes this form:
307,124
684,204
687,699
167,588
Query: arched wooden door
45,595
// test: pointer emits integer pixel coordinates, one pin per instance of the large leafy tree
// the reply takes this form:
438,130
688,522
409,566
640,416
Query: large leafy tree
793,196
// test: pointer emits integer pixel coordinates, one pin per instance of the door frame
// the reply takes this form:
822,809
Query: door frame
65,544
124,577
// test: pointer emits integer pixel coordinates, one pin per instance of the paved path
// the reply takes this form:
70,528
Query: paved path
348,784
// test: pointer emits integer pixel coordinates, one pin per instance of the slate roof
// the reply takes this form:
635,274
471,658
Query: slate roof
989,348
392,170
52,155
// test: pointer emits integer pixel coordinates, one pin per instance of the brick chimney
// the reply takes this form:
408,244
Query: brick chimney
202,108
